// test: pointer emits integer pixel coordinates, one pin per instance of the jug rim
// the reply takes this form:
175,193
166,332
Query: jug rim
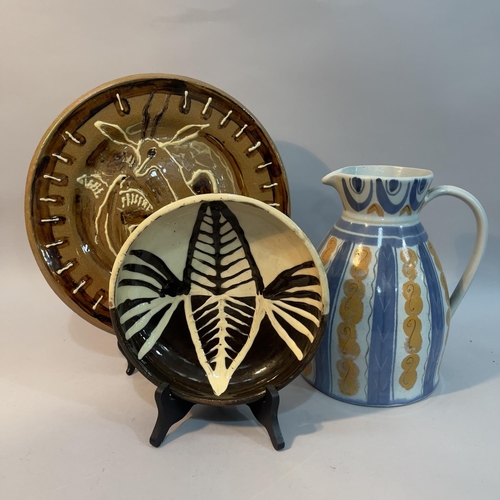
383,172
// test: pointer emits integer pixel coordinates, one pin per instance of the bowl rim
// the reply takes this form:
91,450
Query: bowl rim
198,200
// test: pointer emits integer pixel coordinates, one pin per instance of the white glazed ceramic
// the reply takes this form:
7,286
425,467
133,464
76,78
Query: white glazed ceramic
390,308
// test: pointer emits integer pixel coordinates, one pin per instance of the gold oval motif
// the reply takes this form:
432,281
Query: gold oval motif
348,381
409,375
412,326
328,250
351,311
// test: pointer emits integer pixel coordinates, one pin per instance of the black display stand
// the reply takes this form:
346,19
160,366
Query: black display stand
265,411
171,409
130,367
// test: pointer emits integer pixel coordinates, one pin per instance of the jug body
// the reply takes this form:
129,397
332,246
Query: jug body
390,307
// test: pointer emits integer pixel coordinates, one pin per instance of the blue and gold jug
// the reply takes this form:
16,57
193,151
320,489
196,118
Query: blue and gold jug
390,308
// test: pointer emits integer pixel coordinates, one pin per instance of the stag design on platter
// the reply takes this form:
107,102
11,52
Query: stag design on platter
183,165
223,296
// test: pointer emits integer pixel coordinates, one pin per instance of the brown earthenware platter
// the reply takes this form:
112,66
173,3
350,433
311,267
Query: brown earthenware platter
218,296
121,152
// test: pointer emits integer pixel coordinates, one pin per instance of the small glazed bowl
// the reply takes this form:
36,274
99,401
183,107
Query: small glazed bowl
218,295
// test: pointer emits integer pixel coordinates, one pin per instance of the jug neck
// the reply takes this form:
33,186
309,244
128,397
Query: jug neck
381,194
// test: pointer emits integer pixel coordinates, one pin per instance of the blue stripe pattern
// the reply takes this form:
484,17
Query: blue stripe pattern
357,205
386,191
396,236
323,363
383,335
437,317
385,200
417,193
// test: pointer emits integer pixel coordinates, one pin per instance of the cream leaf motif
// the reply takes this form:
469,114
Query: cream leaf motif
223,296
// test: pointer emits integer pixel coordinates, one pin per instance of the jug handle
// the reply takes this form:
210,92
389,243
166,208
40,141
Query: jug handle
481,238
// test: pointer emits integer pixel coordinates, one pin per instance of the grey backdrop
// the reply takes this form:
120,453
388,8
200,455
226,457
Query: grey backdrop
335,83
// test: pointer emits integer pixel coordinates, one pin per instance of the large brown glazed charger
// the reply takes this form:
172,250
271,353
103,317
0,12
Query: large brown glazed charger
121,152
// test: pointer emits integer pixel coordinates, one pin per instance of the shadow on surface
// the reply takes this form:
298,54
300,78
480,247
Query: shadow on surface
91,338
315,207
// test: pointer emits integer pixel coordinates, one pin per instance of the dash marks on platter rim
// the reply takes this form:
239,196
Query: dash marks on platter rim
97,162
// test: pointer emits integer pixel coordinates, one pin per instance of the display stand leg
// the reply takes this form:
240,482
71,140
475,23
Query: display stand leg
266,412
171,409
130,367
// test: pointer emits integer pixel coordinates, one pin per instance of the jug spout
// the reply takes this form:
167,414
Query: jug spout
381,192
331,179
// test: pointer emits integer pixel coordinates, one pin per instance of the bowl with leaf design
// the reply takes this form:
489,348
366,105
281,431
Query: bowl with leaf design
218,295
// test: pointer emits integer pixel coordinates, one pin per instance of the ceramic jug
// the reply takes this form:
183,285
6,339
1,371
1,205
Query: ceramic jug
390,308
